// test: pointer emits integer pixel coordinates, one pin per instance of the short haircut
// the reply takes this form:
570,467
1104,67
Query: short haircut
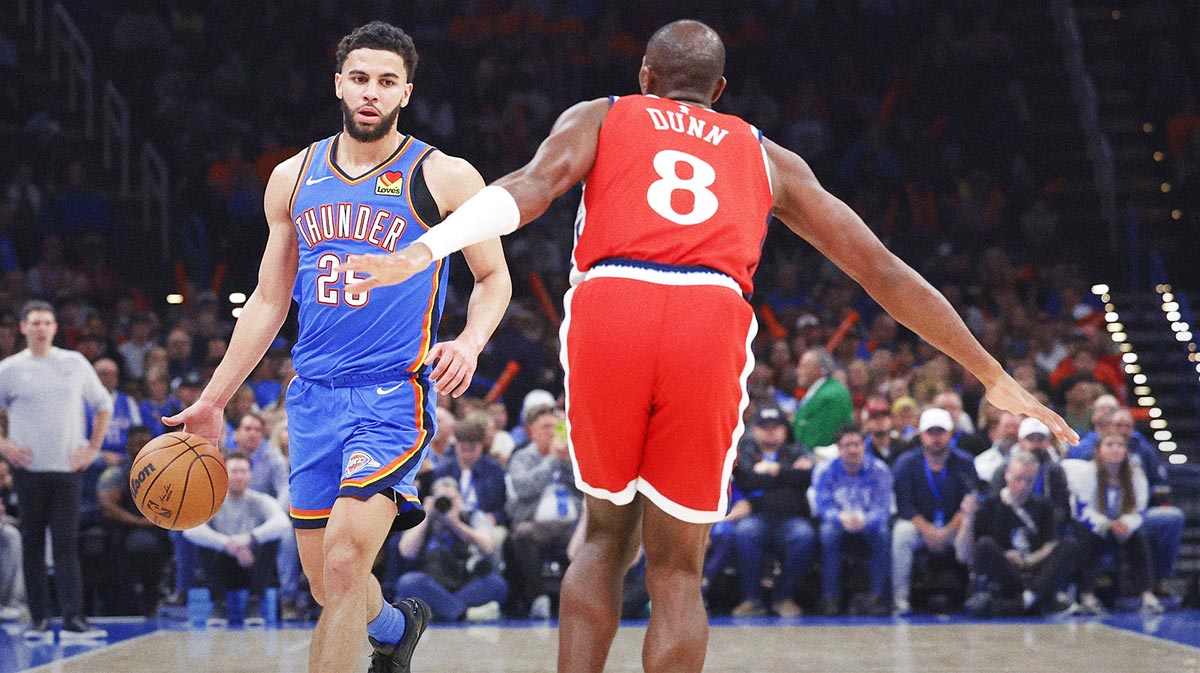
236,455
383,36
537,412
1020,456
847,429
473,429
36,305
687,55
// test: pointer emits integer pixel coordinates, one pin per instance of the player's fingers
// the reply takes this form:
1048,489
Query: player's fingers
448,381
366,285
434,353
171,420
468,375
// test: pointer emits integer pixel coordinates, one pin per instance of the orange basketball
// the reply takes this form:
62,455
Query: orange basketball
178,480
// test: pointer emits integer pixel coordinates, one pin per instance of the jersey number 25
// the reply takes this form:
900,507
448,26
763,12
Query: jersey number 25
328,292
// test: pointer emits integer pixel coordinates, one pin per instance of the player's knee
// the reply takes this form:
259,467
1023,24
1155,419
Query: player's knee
346,564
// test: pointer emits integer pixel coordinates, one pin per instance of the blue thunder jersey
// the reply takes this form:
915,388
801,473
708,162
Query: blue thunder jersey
350,338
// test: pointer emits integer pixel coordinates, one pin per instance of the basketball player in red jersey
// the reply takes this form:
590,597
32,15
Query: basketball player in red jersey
657,331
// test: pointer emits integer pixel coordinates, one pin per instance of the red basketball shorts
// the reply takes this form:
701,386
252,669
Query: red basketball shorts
656,386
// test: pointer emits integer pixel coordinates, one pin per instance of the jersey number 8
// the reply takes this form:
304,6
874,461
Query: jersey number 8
328,294
704,202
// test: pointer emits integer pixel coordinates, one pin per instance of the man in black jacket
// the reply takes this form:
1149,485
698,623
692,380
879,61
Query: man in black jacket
1050,482
1013,546
775,475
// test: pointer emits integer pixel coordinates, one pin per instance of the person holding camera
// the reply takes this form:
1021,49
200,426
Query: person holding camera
456,547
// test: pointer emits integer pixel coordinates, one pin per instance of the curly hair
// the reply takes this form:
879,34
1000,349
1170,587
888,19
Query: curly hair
383,36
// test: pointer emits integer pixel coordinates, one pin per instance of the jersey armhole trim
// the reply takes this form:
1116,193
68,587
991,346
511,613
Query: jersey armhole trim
418,167
296,187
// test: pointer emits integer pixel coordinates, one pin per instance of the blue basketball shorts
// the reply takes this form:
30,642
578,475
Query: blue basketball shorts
356,441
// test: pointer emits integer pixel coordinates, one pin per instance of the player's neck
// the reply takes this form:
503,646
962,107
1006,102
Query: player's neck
40,350
688,97
355,156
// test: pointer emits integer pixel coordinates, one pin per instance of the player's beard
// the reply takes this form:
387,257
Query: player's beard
366,135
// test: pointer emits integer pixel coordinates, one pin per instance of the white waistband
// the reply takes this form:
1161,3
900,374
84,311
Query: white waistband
663,277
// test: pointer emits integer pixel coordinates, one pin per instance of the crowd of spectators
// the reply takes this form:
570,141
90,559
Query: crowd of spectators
911,112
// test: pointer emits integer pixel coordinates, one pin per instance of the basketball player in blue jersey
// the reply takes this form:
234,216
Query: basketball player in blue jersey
361,409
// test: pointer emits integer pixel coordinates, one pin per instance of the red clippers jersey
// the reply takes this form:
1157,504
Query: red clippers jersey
675,184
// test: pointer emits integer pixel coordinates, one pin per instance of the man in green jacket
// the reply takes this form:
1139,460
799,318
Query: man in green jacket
826,405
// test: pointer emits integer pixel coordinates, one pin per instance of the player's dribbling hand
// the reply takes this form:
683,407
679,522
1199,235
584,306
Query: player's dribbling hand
1008,395
385,269
202,418
455,367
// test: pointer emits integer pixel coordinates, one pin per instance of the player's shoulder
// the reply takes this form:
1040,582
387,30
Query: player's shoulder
288,170
440,166
450,179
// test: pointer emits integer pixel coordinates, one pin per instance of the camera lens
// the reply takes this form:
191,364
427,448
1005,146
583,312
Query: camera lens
442,504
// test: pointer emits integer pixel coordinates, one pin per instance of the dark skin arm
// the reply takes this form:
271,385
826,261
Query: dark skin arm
832,227
801,203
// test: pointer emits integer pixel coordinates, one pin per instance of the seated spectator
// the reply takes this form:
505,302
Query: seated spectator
1034,437
930,485
441,447
854,499
881,440
543,505
502,444
158,401
456,547
269,468
1004,436
133,351
721,541
963,437
480,479
532,400
825,405
239,545
1111,496
126,413
905,415
139,548
774,474
12,582
1013,546
1163,522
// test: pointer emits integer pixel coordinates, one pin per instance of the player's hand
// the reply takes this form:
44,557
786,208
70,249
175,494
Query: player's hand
386,269
16,454
455,367
202,418
1008,395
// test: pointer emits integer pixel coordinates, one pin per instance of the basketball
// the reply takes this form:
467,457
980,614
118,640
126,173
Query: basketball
178,480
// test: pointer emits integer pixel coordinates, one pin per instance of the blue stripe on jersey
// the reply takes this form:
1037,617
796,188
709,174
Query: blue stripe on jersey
353,338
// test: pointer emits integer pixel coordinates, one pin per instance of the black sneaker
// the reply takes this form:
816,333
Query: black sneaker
397,657
39,630
78,627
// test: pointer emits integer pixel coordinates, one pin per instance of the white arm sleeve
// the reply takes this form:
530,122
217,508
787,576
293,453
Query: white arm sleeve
491,213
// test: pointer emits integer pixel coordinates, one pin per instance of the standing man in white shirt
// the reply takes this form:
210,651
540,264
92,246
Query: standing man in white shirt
43,392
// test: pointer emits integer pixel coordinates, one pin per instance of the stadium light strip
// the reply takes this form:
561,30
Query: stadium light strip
1183,334
1141,390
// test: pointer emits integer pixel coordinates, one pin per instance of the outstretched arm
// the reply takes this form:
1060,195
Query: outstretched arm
563,159
261,317
833,228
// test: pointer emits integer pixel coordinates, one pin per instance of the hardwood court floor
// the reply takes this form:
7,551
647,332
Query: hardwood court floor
1083,647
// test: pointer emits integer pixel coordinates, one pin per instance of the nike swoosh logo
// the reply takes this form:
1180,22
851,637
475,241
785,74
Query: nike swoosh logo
381,391
310,182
